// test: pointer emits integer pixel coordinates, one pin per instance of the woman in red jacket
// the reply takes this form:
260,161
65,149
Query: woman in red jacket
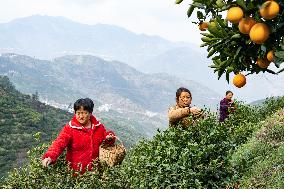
82,137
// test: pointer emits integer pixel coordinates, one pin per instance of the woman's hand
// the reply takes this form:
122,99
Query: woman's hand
46,161
110,136
195,110
231,102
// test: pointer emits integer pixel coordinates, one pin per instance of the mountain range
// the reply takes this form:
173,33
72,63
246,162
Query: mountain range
117,89
46,37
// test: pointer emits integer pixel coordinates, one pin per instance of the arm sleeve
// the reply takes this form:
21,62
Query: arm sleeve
223,105
59,144
176,114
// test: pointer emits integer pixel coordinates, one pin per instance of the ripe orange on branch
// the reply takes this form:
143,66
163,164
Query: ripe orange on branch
246,24
270,56
262,63
203,26
248,47
269,10
235,14
239,80
259,33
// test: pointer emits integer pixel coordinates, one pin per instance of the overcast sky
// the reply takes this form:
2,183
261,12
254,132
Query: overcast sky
154,17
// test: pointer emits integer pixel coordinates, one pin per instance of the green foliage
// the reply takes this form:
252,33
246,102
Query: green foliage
56,176
196,157
232,51
205,155
180,158
259,162
267,172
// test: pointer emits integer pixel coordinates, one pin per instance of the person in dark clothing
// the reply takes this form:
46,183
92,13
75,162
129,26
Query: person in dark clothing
227,106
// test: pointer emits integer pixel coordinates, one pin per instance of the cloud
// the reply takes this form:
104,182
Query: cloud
83,3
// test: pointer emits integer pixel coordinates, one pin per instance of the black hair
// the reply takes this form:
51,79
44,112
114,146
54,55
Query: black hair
86,103
180,90
227,92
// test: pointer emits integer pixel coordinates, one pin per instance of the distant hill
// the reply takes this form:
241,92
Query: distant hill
262,101
49,37
125,91
68,77
22,116
257,102
184,62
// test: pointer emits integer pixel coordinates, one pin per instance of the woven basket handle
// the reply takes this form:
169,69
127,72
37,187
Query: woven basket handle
117,140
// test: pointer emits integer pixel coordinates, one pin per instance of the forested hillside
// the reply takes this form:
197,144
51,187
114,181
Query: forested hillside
23,116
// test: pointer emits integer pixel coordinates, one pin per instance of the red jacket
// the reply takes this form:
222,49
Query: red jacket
82,144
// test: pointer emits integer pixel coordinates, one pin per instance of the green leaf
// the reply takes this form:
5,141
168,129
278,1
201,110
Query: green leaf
178,1
203,44
221,22
200,15
282,46
190,10
220,73
211,53
213,66
207,39
207,35
237,52
242,4
225,63
230,69
236,36
228,77
215,29
279,54
220,3
217,62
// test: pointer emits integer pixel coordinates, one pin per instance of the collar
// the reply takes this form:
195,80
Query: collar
76,125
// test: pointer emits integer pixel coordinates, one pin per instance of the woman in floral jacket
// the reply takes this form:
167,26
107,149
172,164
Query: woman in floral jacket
181,111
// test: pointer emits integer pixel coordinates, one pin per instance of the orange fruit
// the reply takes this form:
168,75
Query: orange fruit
262,63
259,33
203,26
269,10
246,24
270,56
239,80
235,14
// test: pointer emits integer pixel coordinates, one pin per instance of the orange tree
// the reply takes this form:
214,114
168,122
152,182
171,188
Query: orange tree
242,36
